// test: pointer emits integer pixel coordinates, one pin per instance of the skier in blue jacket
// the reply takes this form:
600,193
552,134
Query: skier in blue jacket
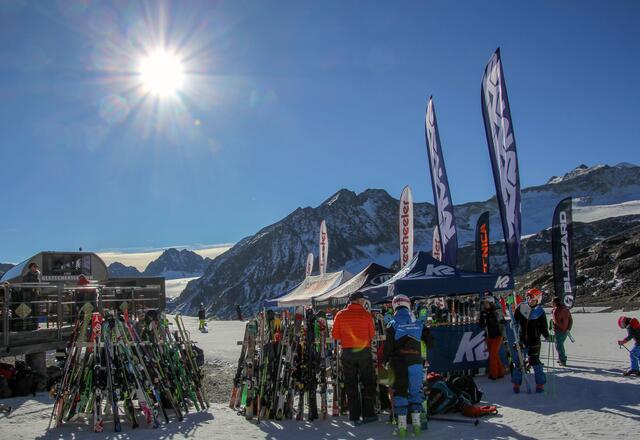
532,324
403,351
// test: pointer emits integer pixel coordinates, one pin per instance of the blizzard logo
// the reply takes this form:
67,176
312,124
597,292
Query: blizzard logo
473,349
440,185
568,297
503,148
502,282
439,271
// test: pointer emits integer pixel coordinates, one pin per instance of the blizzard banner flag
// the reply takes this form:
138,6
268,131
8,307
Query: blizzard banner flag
309,267
564,268
482,243
406,226
436,249
324,247
440,186
502,150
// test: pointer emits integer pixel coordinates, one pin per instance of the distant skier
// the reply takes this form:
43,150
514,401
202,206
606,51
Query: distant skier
561,322
633,332
532,323
238,312
492,321
403,352
202,315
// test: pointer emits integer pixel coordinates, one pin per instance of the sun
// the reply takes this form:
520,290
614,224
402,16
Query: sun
161,73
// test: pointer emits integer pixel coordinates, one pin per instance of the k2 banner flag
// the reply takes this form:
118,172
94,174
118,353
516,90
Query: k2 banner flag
502,150
440,186
309,267
482,243
405,227
324,248
564,266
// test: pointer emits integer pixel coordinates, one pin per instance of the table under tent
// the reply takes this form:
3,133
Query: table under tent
459,344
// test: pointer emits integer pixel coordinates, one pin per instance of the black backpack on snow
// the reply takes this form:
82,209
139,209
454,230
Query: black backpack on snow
466,386
23,381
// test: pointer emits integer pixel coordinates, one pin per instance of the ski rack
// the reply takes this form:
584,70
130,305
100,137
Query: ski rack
38,317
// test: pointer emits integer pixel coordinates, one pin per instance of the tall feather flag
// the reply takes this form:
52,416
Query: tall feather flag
324,248
482,243
405,226
564,266
309,266
502,150
436,248
440,186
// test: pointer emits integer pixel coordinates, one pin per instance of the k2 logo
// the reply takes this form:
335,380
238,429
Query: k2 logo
502,282
473,349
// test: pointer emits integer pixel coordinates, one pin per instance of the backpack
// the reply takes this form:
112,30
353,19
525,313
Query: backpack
22,383
466,386
443,399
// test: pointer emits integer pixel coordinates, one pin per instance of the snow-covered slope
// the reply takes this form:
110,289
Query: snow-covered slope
363,228
587,400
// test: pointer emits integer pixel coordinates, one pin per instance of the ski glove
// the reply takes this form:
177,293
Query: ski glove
622,342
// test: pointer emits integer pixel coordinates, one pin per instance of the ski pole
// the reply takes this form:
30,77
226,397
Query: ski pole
570,336
474,422
630,352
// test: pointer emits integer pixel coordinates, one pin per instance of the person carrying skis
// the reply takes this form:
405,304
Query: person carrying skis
492,321
632,325
202,315
353,327
402,351
562,322
532,323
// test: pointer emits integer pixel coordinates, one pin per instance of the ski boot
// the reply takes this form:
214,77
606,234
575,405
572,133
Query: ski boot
516,388
402,426
417,423
631,373
539,388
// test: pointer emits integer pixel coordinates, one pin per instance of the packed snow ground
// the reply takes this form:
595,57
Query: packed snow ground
590,400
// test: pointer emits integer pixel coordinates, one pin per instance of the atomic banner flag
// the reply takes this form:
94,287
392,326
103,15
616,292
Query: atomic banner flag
436,248
324,248
482,243
405,226
309,267
502,150
564,266
440,186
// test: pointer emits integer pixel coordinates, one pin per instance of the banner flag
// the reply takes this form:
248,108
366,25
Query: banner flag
502,150
405,226
564,265
309,268
324,248
436,249
440,186
482,243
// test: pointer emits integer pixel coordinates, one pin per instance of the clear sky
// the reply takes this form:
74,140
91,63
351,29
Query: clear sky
283,103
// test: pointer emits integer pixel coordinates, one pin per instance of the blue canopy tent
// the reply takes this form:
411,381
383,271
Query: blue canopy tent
424,276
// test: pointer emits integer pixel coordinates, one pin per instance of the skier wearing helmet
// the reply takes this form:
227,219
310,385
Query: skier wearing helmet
532,323
633,332
402,351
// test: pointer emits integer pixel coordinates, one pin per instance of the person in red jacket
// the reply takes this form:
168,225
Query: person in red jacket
633,332
353,327
561,322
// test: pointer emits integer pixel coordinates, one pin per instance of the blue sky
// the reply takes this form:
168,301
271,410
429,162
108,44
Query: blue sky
283,104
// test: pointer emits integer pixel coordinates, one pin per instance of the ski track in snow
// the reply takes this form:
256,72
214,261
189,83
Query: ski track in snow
590,400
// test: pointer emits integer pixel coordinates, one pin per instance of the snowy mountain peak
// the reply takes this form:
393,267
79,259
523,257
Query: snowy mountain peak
580,170
175,263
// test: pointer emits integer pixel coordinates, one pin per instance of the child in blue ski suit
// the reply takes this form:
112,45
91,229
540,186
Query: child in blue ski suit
632,325
402,351
532,323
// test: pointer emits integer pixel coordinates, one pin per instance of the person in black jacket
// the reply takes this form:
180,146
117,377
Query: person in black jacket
202,315
492,321
532,324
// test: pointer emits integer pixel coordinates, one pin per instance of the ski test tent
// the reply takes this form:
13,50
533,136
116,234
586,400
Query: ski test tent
311,287
424,277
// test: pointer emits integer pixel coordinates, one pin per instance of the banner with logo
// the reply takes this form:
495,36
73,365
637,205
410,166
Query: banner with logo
564,266
482,243
405,226
436,248
324,248
309,267
440,186
502,150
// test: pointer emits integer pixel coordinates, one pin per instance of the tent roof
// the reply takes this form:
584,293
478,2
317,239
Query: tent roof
311,287
372,275
425,276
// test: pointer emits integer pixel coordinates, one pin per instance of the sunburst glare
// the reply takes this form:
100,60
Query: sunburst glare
161,73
